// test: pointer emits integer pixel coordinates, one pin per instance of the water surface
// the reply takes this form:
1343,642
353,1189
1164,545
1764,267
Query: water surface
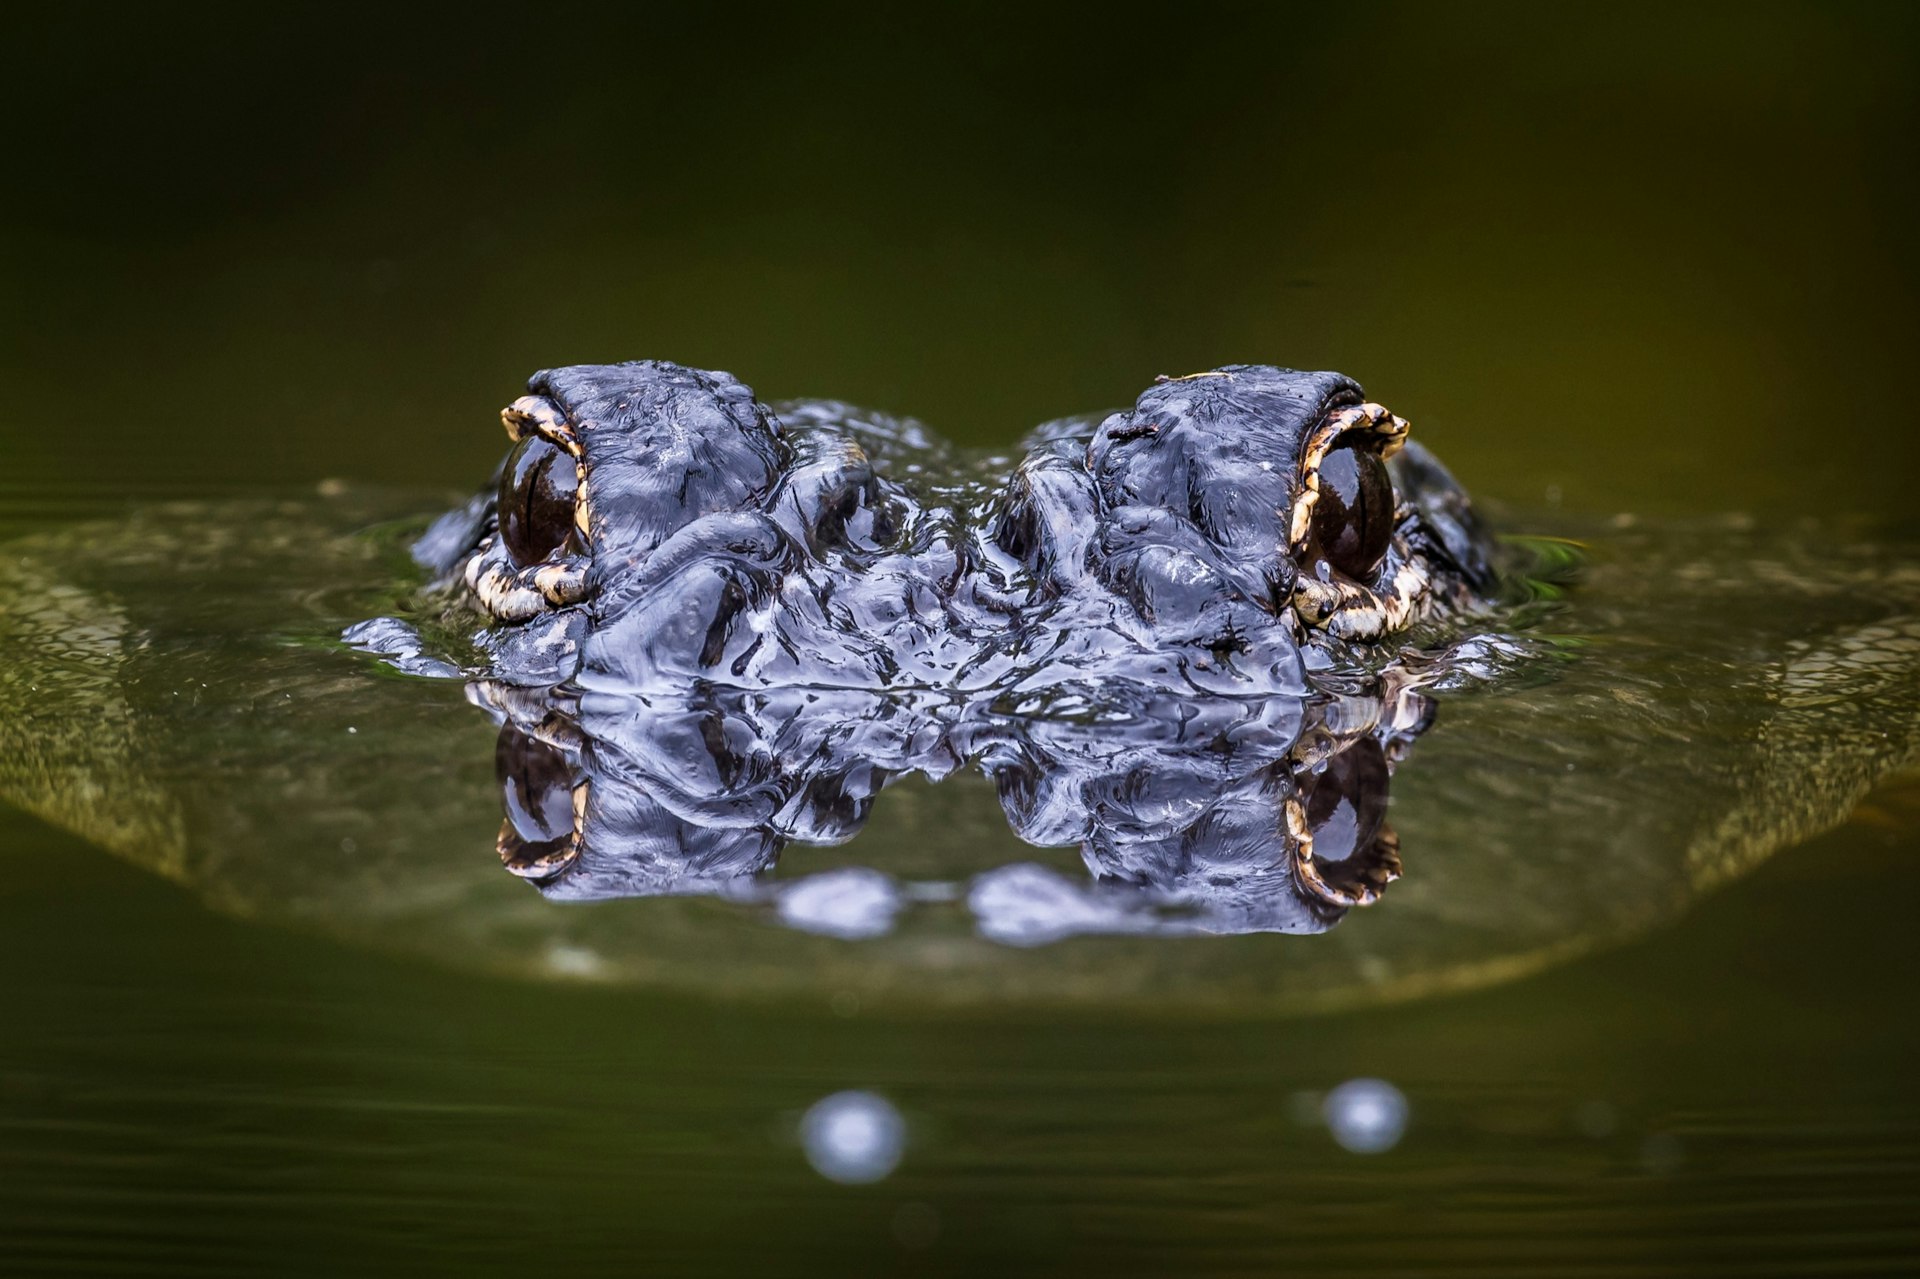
1646,264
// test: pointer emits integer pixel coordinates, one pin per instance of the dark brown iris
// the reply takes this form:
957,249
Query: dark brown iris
1353,516
537,492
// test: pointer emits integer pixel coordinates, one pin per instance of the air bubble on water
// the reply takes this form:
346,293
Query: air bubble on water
1366,1116
853,1137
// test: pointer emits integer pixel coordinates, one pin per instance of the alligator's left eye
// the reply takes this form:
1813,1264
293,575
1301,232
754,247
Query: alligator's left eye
1353,515
537,492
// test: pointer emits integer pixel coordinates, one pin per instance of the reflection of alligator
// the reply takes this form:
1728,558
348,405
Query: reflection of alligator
1219,815
749,622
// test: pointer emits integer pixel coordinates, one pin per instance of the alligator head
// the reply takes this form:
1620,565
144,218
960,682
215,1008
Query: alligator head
712,627
655,525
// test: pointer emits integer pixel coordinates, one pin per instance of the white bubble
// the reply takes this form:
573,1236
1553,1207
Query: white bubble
1366,1116
853,1137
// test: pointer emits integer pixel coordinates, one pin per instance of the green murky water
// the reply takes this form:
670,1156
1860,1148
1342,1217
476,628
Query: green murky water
1642,999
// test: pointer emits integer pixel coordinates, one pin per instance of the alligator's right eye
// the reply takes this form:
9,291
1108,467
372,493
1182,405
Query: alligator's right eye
1353,515
537,492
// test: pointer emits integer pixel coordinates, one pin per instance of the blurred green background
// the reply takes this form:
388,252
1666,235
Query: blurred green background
1631,254
1654,258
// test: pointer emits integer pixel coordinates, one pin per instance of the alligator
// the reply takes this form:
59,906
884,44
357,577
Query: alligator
713,628
1194,641
655,526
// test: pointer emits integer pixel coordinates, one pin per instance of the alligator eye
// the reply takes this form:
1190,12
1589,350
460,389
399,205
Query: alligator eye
1353,516
537,492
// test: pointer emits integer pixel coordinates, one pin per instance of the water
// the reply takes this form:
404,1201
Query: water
1602,273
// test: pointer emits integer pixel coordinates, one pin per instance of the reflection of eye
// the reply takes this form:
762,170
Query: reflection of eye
1355,854
537,839
537,785
537,493
1347,802
1353,515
